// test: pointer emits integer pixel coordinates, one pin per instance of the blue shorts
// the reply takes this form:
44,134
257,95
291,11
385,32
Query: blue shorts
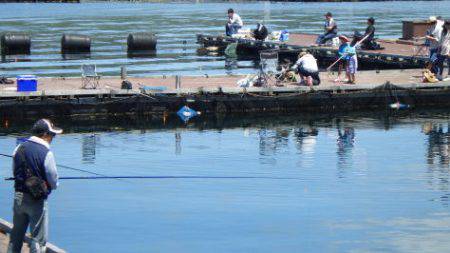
352,65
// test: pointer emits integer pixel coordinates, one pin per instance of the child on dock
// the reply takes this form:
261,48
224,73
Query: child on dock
341,54
352,61
347,57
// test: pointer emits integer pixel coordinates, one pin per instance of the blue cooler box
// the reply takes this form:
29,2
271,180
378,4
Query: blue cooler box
26,83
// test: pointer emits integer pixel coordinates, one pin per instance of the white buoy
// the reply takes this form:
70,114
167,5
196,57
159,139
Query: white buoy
398,106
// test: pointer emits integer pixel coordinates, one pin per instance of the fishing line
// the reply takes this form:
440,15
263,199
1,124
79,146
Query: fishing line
68,167
98,176
170,177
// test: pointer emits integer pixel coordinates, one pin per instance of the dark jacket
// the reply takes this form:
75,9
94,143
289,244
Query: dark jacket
33,155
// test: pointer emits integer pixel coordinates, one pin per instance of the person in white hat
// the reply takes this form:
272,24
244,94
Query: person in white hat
35,176
443,53
433,37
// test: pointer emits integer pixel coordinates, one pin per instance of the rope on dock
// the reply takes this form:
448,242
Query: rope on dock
128,98
278,94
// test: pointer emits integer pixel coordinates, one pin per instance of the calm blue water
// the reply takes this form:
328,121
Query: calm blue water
357,184
110,23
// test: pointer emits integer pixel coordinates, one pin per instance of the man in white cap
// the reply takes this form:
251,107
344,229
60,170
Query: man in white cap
35,176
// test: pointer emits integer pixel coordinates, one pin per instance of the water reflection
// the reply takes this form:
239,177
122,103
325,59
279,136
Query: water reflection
305,139
345,144
272,141
178,143
75,56
437,157
142,54
88,148
230,65
438,144
15,58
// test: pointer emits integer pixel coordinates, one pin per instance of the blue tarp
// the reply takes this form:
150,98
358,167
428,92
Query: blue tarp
186,113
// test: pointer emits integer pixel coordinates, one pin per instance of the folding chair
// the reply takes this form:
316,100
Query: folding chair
269,61
89,77
420,47
268,66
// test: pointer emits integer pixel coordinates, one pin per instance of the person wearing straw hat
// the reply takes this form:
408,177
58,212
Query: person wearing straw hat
352,59
35,176
345,42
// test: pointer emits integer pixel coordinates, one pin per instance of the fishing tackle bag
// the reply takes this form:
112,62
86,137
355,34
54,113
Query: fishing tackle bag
34,185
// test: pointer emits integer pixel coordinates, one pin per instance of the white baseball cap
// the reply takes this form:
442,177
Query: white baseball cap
43,126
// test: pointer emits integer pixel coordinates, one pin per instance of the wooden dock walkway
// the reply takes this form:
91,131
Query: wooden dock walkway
60,97
5,229
194,84
396,53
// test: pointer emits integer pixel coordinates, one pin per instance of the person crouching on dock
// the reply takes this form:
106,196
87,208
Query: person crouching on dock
307,68
234,23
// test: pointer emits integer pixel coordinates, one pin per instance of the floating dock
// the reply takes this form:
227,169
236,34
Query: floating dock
397,54
6,227
162,96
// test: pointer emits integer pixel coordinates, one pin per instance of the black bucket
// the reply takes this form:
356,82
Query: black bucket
15,43
73,44
141,42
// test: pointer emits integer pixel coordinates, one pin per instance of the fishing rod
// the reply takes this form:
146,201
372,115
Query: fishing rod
68,167
169,177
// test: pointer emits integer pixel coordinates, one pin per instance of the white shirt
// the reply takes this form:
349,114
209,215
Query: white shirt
444,43
236,19
49,163
307,62
436,33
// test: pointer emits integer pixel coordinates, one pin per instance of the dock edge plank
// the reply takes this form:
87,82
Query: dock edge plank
6,227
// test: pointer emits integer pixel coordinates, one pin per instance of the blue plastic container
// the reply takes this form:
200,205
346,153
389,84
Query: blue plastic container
26,83
284,36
